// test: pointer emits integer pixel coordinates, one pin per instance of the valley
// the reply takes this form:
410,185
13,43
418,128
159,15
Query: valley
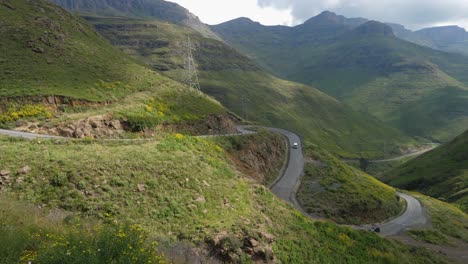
133,132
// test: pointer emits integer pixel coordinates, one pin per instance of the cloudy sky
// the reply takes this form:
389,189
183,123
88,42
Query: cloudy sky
414,14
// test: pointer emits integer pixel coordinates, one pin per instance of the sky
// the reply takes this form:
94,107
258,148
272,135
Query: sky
414,14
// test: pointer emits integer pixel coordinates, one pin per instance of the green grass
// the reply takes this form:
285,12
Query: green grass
447,221
429,236
336,191
420,91
31,235
48,52
74,62
244,88
100,180
440,173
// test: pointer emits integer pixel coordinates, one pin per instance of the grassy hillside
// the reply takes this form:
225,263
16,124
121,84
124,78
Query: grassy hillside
52,62
183,190
447,38
243,87
440,173
28,234
366,67
149,9
334,190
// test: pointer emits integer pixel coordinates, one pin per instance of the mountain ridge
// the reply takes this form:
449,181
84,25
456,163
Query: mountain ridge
366,67
157,9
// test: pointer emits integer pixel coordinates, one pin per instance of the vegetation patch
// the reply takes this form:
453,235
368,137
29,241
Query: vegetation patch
446,219
344,194
13,114
430,236
441,173
181,188
30,235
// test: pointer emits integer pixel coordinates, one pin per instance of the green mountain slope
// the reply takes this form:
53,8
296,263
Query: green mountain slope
440,173
333,190
183,192
365,66
150,9
446,38
245,88
54,63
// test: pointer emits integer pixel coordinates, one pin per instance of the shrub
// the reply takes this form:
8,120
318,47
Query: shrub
111,243
25,111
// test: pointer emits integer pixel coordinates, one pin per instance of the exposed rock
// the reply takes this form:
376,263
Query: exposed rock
24,170
5,178
20,180
253,243
219,237
268,237
205,183
4,173
141,187
227,203
102,126
200,199
38,50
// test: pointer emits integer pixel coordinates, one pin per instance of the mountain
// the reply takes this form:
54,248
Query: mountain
446,38
152,9
53,65
441,173
421,91
242,86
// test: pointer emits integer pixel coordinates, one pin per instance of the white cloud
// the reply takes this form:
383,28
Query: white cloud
218,11
411,13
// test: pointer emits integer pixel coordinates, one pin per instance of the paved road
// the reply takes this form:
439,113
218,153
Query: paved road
414,216
25,135
412,154
286,186
417,153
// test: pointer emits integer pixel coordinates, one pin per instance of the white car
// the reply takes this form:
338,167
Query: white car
295,145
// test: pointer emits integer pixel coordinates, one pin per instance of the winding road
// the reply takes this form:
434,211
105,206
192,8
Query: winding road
287,184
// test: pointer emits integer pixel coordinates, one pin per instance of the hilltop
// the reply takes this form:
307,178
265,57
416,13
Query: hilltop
363,64
441,173
445,38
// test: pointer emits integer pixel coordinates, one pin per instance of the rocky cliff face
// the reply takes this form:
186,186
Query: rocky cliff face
155,9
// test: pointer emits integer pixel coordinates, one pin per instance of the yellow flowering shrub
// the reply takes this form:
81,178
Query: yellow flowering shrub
25,111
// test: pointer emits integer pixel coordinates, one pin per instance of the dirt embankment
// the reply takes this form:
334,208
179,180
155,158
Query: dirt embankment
260,156
106,126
